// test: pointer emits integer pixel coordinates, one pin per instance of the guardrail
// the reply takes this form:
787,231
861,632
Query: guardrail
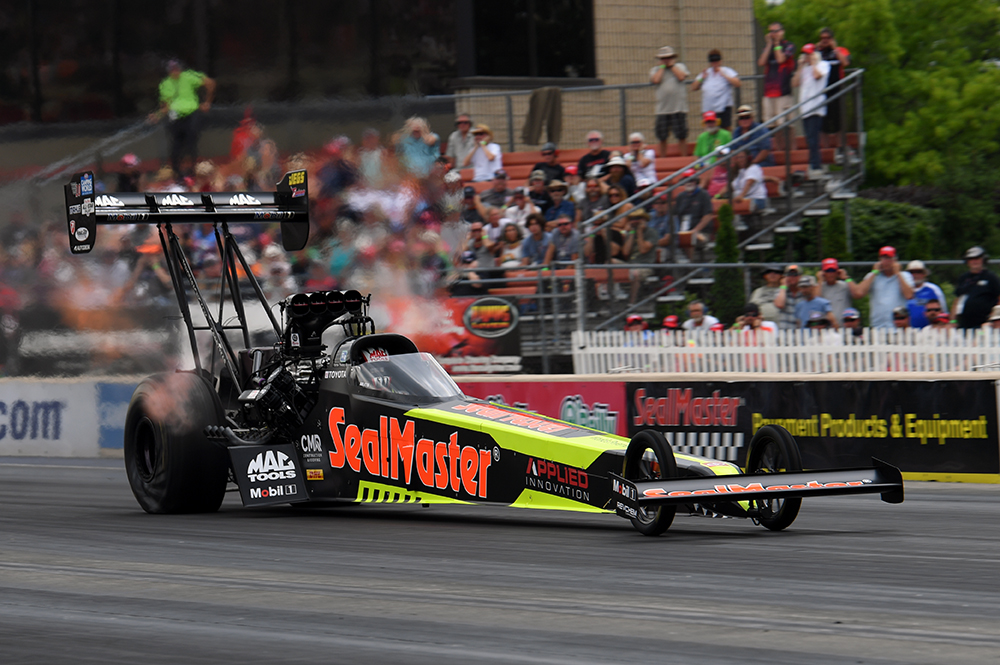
787,351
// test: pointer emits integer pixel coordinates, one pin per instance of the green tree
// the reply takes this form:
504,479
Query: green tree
727,291
834,234
921,243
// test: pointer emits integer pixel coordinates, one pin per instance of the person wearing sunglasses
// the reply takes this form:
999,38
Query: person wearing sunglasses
460,142
924,292
550,165
565,245
834,287
595,158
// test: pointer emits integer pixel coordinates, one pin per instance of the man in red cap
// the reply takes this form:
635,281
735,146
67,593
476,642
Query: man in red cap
635,322
710,139
890,287
834,287
671,322
810,79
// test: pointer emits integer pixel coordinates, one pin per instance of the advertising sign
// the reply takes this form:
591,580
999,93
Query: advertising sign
600,406
935,428
50,419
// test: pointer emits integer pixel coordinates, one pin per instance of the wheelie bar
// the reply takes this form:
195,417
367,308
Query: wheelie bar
882,478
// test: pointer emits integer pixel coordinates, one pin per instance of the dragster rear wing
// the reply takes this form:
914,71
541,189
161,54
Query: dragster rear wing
882,478
85,209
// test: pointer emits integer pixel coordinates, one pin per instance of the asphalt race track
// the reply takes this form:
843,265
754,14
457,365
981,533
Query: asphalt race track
87,577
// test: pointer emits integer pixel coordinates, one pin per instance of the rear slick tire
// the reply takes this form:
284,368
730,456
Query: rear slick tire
774,450
171,466
650,457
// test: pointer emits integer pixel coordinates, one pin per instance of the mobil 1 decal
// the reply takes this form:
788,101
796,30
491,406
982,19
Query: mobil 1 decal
421,456
919,426
268,474
706,419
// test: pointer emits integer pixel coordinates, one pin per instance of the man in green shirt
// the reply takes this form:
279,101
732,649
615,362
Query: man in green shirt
709,140
180,104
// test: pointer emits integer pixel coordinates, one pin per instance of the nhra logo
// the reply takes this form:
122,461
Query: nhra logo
176,200
270,465
106,201
392,451
243,200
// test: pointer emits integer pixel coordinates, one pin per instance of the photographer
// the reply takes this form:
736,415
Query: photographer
716,83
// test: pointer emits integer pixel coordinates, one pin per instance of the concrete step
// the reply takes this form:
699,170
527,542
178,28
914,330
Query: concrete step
843,195
790,228
759,247
673,297
701,281
815,212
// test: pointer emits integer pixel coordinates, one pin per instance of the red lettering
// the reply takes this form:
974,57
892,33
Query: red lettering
700,492
425,462
814,484
683,400
560,476
679,493
454,453
775,488
650,411
383,427
528,470
470,467
571,476
485,460
661,410
584,480
440,457
752,487
369,450
855,483
640,395
402,448
795,487
835,485
352,440
338,456
654,491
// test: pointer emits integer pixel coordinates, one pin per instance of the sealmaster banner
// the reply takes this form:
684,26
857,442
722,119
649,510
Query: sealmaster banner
923,427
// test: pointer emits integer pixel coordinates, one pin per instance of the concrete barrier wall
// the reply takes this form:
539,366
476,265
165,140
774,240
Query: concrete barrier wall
933,429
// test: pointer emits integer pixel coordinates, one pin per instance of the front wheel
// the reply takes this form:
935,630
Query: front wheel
774,450
650,457
171,466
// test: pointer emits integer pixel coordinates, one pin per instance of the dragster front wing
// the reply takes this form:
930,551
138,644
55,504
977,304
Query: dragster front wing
882,478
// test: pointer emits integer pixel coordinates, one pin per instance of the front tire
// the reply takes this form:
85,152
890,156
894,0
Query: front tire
171,466
650,457
774,450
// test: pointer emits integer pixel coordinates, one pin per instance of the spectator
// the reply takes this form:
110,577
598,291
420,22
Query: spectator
852,322
596,156
933,309
692,212
778,61
923,293
671,322
751,319
550,165
835,288
494,225
977,291
713,137
901,317
764,296
811,303
751,134
788,298
460,142
510,248
749,183
498,195
618,174
810,79
717,83
671,100
452,198
519,208
538,192
640,159
560,206
635,323
698,319
596,200
472,208
128,178
890,287
565,245
660,221
535,247
417,147
577,189
640,247
942,321
616,240
486,157
372,160
480,244
994,319
467,283
839,58
180,104
616,194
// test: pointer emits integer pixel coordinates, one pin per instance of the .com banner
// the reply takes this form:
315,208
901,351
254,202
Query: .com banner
943,430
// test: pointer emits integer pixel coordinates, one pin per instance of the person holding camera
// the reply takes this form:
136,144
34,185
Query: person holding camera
671,99
810,79
486,158
778,61
716,83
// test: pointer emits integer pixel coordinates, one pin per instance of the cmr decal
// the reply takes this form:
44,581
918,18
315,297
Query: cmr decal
752,487
512,417
270,465
669,411
390,452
